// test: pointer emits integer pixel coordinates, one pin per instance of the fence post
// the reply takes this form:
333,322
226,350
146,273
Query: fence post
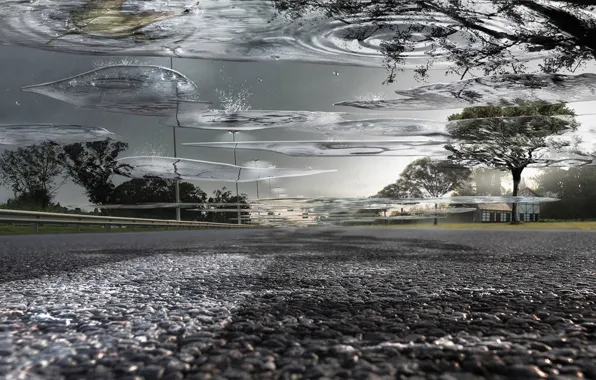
34,228
108,227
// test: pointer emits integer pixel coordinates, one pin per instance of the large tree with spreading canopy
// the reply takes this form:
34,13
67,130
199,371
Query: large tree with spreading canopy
512,137
425,177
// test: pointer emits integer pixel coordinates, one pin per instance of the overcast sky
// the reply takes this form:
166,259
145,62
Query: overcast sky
282,86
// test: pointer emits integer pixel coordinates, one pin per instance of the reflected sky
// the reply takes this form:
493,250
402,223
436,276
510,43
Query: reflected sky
276,85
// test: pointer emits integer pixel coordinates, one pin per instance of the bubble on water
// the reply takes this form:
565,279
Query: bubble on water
187,169
260,79
17,103
144,90
338,148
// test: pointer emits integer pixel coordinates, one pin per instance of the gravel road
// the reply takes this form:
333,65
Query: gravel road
290,304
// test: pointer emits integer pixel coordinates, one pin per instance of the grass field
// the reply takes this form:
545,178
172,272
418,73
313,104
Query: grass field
49,229
497,226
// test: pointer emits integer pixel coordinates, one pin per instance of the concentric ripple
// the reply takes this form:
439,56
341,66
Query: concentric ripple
238,30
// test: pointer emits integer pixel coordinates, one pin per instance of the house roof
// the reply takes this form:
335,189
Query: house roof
494,207
527,192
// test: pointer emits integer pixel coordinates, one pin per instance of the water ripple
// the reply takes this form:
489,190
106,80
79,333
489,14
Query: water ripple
187,169
237,30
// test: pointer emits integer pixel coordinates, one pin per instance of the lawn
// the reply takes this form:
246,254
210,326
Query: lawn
591,225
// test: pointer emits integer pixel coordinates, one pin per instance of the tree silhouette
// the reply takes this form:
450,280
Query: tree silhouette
32,172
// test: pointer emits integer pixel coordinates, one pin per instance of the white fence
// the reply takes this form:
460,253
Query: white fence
35,219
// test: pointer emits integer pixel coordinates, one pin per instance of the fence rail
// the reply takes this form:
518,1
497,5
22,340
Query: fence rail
35,219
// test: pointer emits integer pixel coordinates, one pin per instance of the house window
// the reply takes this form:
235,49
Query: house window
521,217
485,216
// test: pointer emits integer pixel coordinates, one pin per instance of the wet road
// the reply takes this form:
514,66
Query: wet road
321,303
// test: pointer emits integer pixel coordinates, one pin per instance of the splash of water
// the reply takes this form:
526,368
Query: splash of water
233,102
152,149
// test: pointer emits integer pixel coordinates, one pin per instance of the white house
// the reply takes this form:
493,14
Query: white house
501,212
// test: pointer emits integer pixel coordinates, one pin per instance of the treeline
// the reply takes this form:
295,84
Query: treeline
35,173
576,189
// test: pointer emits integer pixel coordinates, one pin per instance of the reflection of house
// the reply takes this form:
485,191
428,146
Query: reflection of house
501,212
529,212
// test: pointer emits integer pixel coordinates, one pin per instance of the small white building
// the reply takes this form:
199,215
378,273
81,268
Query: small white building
501,212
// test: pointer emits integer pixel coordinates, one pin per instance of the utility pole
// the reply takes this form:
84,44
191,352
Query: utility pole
270,167
255,161
177,183
237,192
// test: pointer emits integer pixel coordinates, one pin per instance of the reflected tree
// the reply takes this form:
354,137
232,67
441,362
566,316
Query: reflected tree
576,189
482,182
224,195
33,173
565,31
398,190
428,178
92,165
504,138
156,190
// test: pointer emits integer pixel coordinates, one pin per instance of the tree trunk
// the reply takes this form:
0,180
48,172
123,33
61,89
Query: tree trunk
436,221
516,173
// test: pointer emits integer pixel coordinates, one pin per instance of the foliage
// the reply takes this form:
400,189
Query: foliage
432,178
32,172
482,182
564,30
155,190
505,138
225,196
426,178
92,166
576,189
137,191
397,190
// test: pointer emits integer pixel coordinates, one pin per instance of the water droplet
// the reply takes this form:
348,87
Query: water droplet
17,103
336,73
260,79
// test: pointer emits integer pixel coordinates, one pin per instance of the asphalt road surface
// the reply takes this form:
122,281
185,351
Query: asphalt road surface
290,304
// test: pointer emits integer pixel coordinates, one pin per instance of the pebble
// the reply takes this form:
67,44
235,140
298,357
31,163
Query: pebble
406,308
